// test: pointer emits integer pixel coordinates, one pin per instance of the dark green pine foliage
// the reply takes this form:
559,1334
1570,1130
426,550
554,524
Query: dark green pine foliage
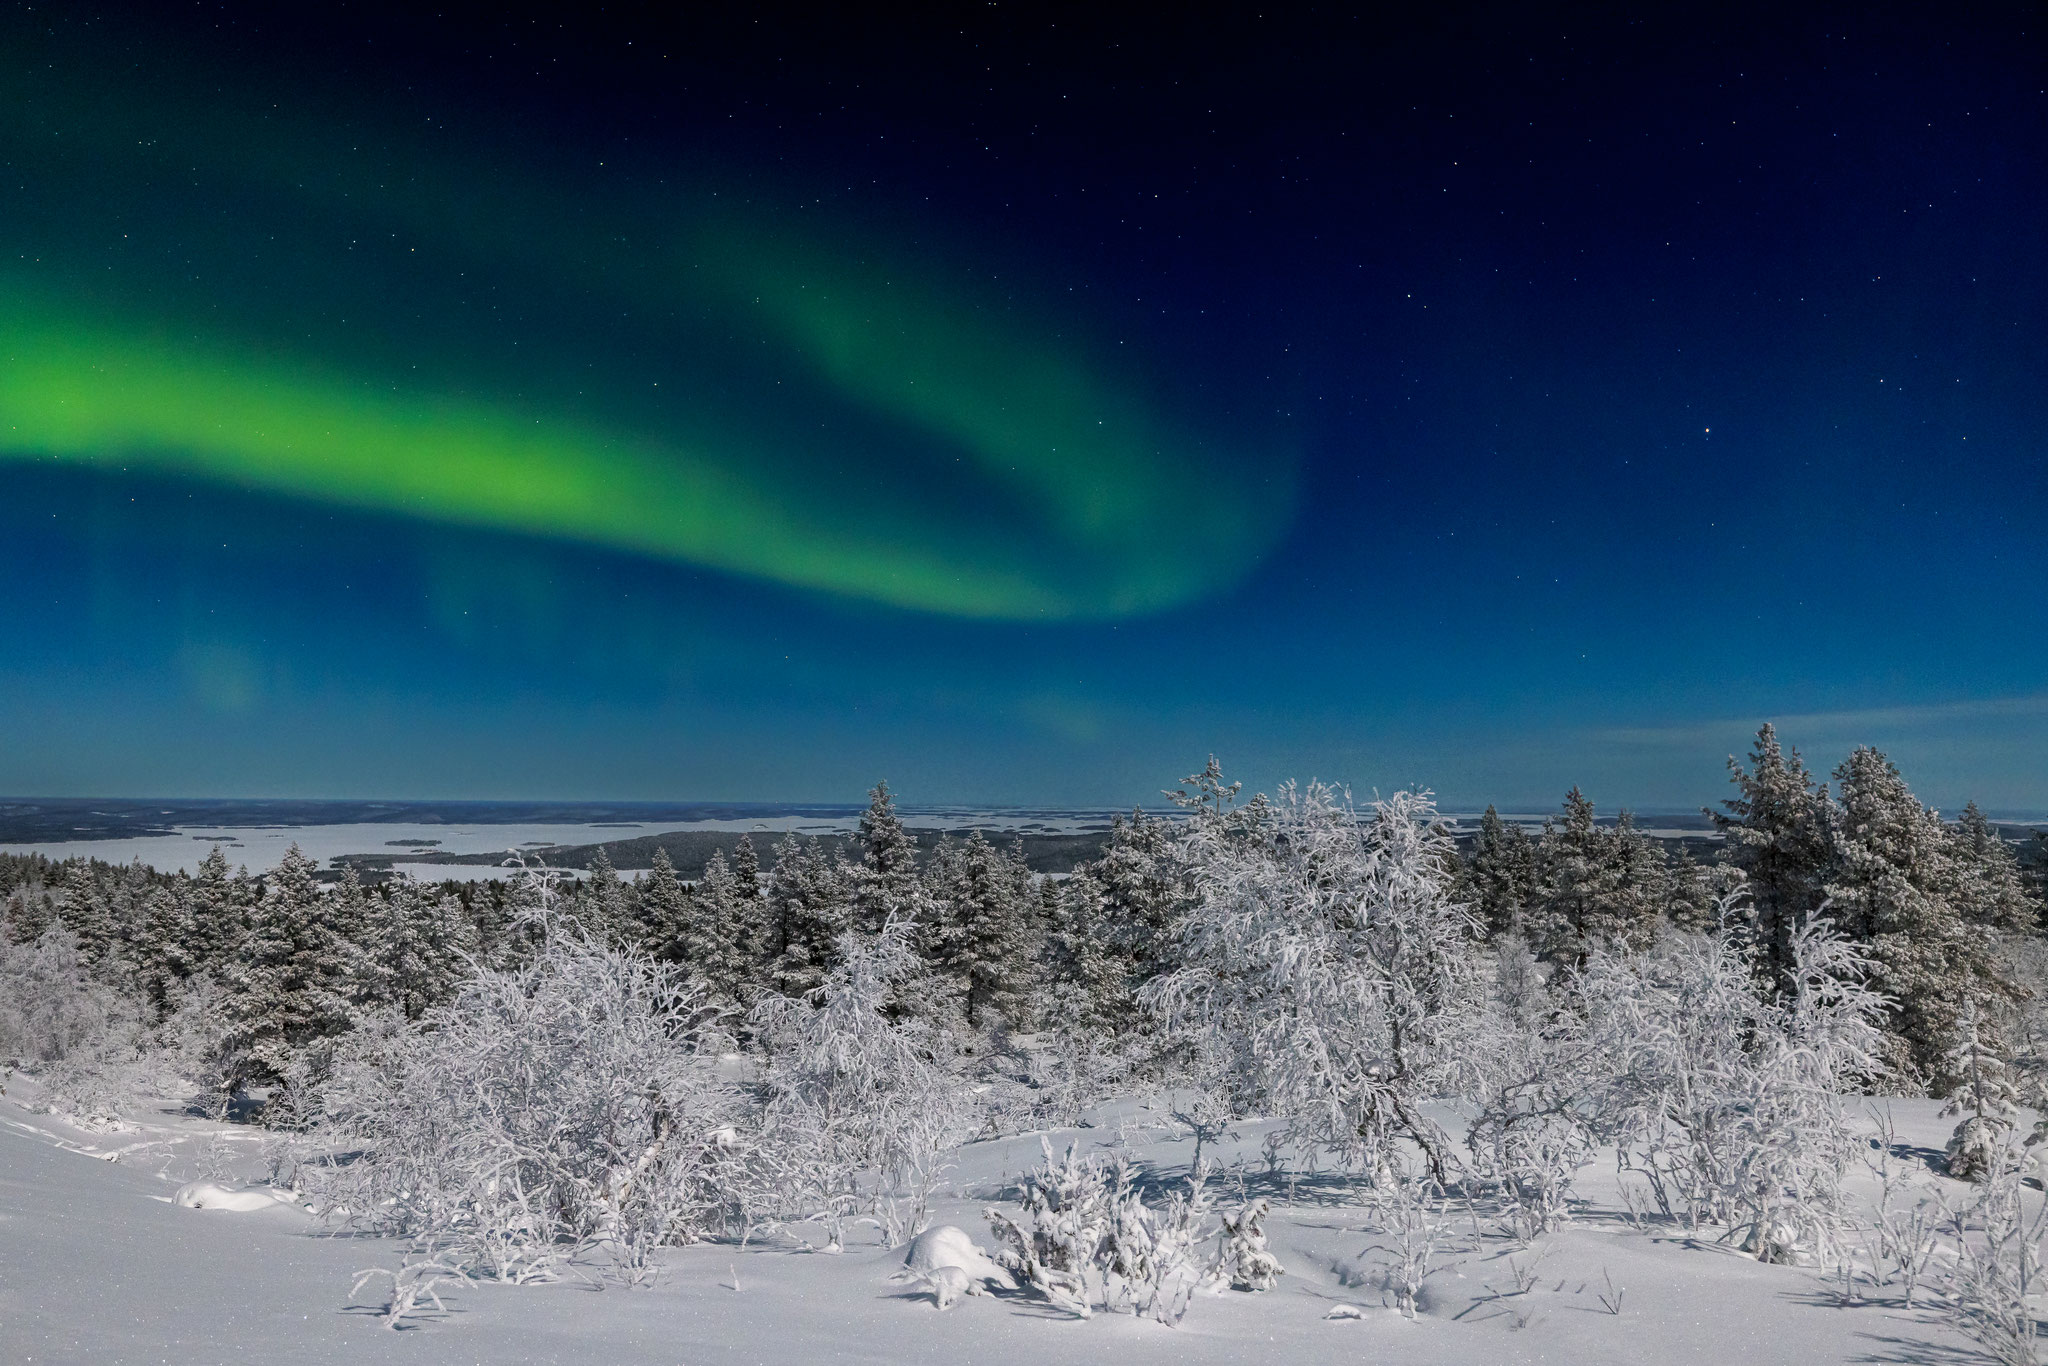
1896,887
809,898
1592,885
1776,829
663,910
289,983
1500,875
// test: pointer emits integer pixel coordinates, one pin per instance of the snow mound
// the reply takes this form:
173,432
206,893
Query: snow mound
949,1246
239,1199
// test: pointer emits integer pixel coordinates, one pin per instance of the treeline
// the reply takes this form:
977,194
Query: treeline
253,972
1948,913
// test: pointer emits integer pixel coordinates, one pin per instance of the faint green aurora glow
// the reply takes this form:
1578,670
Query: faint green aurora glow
234,299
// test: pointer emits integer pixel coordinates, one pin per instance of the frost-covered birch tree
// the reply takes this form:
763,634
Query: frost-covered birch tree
1323,964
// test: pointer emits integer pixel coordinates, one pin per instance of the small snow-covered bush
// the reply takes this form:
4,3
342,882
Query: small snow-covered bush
569,1103
1089,1240
1730,1102
1998,1275
1528,1071
1984,1096
51,1009
1246,1260
1411,1218
75,1033
861,1109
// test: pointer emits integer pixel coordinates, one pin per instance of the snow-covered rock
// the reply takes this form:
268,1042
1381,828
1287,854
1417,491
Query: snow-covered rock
239,1199
949,1246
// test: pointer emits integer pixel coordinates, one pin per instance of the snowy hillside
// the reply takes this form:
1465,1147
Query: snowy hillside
98,1266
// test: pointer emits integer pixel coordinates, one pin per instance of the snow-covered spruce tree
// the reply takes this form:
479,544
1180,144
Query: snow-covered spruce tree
422,942
1990,887
886,882
290,982
1111,922
662,912
1697,890
218,902
1324,964
1500,876
716,947
1730,1101
809,906
604,902
1593,886
982,939
567,1104
1777,832
1895,887
860,1107
1985,1097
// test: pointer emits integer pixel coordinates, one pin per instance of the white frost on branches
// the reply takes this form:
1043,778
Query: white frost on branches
1325,964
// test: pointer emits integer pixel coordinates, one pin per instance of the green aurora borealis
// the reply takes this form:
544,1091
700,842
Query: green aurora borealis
469,338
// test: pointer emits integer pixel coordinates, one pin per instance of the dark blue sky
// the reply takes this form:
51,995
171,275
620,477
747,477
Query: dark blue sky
1613,385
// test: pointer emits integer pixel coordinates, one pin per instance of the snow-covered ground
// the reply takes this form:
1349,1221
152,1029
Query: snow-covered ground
98,1265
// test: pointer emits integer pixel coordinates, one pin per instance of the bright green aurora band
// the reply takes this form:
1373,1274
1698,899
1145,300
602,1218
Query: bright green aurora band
229,297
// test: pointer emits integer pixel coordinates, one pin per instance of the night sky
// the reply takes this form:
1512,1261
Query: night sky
1020,406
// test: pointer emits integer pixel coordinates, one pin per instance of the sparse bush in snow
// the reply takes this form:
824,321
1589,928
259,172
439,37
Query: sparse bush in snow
1998,1277
570,1103
1730,1102
1247,1261
77,1034
1323,962
1983,1095
1528,1071
861,1109
1089,1240
1412,1220
1902,1238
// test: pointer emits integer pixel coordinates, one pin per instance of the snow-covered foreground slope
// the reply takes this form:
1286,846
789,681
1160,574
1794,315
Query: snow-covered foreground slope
98,1266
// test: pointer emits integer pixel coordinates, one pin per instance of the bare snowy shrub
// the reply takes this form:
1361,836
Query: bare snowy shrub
1902,1237
414,1285
1998,1275
861,1109
570,1103
1729,1102
1412,1221
76,1034
1324,965
1528,1069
